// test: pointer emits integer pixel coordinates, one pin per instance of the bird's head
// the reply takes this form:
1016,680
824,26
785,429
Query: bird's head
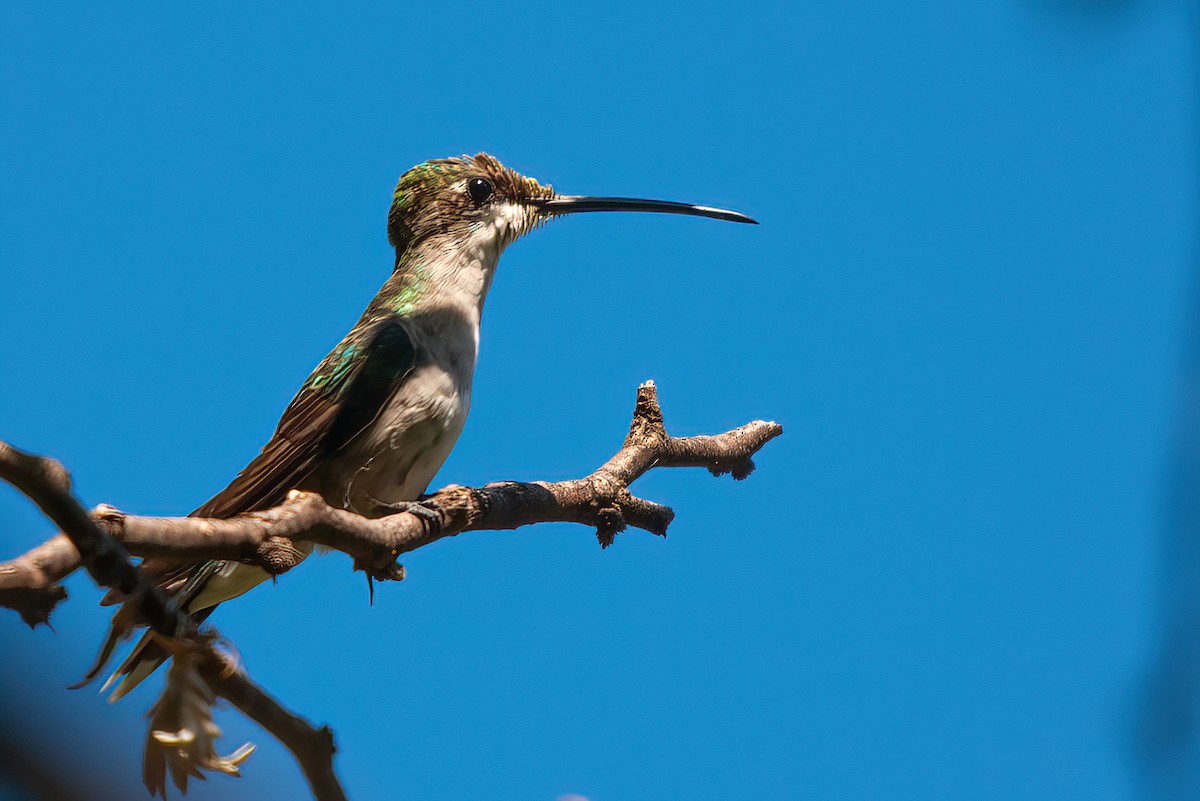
477,201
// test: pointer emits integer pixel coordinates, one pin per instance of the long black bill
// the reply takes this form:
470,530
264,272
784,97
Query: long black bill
575,204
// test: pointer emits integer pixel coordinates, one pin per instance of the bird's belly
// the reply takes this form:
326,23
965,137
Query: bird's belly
393,460
402,471
397,456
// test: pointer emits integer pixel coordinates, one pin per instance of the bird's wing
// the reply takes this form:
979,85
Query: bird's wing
341,398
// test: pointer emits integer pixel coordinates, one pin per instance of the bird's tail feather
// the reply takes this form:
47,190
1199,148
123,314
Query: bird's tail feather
199,590
111,639
123,623
145,658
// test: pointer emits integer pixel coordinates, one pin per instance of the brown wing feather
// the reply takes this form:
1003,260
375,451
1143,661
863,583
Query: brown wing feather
282,465
340,398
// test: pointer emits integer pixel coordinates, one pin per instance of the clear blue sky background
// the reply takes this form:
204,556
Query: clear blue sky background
965,302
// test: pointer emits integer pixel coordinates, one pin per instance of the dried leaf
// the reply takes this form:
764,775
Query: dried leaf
183,734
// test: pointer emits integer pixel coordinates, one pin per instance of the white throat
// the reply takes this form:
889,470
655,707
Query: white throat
460,267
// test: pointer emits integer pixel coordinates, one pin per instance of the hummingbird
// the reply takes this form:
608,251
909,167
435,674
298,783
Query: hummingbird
375,420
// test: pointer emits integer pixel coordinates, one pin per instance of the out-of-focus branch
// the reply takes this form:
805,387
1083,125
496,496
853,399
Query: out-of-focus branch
48,485
29,583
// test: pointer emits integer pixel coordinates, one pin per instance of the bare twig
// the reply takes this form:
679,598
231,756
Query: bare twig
313,747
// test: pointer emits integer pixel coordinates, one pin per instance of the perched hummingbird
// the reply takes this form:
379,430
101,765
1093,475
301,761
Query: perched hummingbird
374,422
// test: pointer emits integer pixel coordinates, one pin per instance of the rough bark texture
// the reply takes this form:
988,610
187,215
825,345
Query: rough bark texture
29,583
103,541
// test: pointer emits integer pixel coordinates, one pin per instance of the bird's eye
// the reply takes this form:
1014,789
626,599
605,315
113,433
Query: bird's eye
480,189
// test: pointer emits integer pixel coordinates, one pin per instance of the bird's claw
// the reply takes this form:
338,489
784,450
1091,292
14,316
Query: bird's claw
430,517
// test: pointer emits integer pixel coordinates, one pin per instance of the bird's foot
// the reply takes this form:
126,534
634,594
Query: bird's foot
429,517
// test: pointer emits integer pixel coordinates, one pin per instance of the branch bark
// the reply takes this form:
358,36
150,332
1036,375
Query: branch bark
47,484
29,584
103,540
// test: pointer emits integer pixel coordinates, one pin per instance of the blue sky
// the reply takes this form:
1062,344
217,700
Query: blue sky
966,304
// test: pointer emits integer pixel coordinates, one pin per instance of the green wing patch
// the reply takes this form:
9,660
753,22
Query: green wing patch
341,398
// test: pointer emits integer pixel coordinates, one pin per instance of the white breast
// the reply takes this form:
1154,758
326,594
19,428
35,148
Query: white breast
397,456
393,459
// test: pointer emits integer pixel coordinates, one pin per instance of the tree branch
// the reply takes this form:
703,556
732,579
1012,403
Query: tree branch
313,747
48,485
182,731
601,500
29,583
